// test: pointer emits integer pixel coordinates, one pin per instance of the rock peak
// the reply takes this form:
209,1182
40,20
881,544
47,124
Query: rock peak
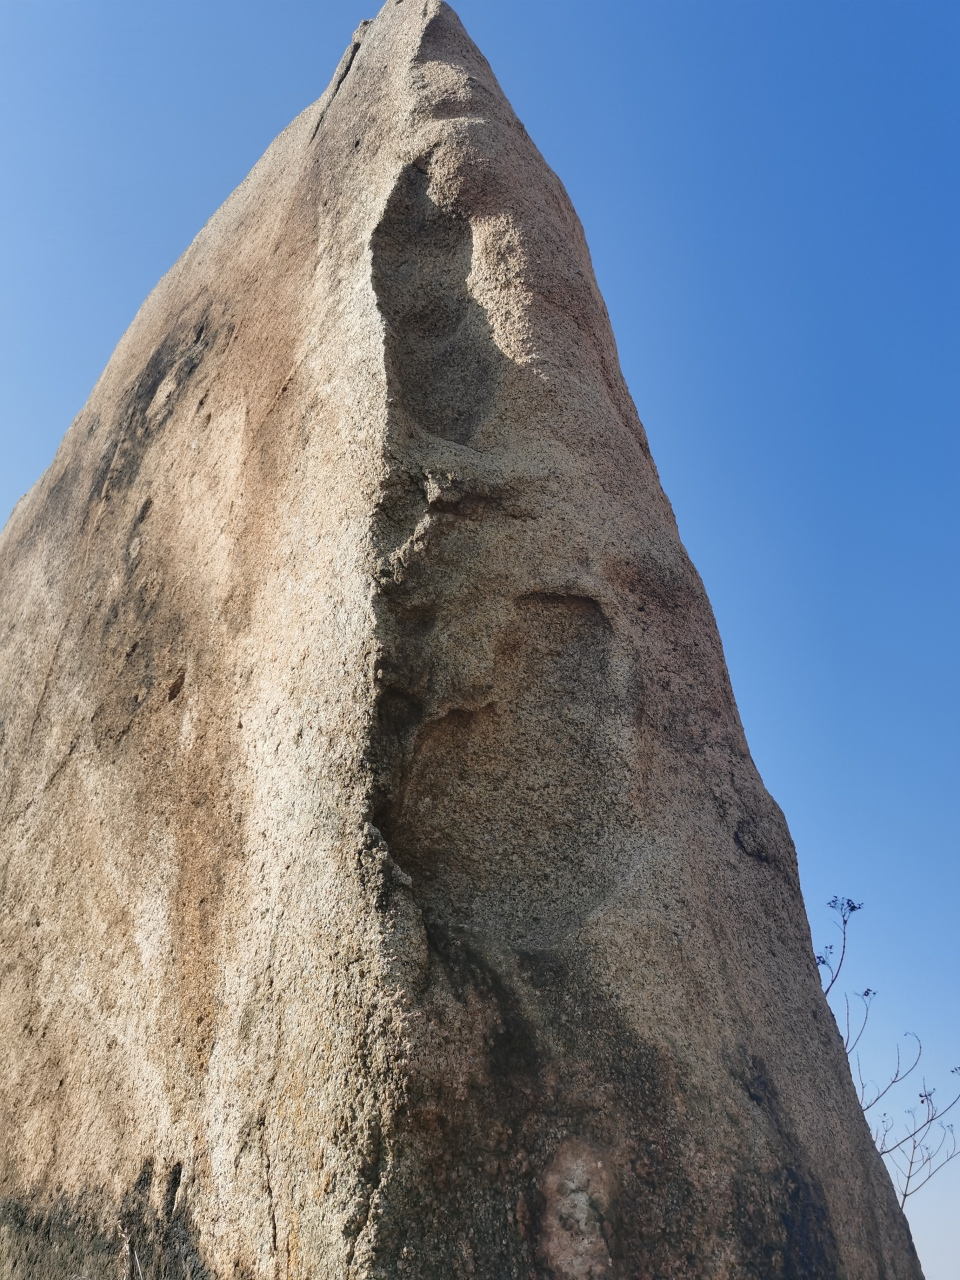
388,888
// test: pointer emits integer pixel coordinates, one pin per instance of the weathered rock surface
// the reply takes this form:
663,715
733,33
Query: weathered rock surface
387,886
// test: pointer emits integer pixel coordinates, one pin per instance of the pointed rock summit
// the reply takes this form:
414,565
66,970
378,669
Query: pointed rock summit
387,888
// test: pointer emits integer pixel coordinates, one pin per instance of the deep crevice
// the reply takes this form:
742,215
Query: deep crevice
346,62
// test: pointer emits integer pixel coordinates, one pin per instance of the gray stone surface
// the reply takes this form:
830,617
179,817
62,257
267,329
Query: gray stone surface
387,888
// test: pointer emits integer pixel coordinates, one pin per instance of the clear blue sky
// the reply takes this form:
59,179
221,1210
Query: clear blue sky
771,191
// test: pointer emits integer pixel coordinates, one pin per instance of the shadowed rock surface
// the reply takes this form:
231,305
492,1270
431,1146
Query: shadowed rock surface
387,888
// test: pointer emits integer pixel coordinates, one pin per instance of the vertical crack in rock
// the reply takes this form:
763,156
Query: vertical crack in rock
340,75
443,371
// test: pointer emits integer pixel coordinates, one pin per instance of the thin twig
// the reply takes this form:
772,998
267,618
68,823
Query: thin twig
913,1158
896,1078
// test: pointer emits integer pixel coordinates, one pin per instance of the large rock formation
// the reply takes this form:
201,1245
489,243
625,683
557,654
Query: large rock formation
387,887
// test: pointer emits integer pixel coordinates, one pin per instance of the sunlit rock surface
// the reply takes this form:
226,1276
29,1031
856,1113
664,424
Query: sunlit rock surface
387,888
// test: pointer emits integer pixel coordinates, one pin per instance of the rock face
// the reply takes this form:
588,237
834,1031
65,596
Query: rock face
387,886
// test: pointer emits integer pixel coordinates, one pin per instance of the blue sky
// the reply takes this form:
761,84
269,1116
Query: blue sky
771,192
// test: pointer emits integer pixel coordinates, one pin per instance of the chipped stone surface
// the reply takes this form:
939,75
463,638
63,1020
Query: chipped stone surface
387,888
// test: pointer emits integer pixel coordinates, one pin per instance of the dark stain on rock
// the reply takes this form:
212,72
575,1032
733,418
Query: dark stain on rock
174,1179
149,403
87,1238
546,1139
784,1223
512,1045
497,1120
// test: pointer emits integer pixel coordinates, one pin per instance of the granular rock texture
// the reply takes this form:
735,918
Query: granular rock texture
387,888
